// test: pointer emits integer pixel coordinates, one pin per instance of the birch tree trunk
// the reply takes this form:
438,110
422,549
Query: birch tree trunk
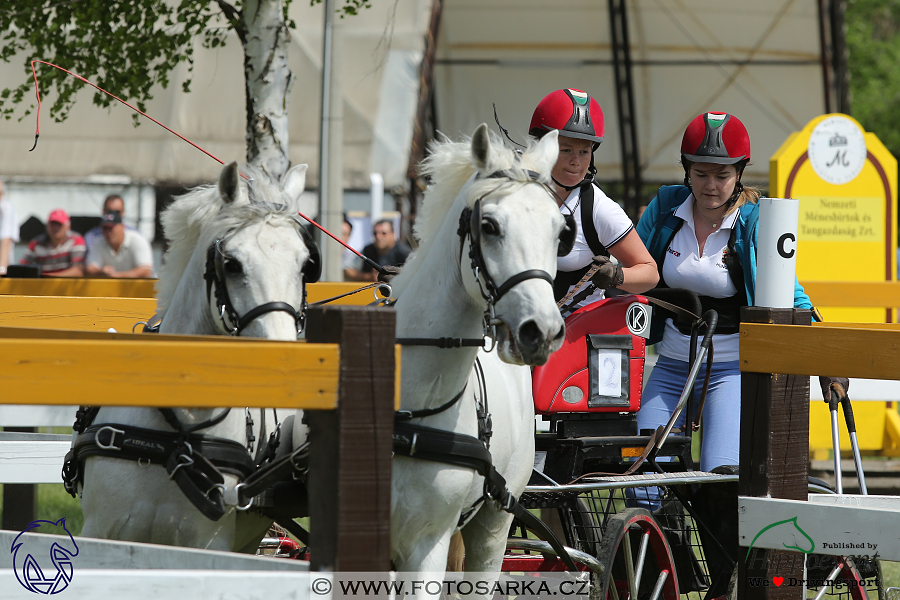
268,82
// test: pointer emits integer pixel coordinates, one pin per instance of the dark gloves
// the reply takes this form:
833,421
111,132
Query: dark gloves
826,382
387,273
609,275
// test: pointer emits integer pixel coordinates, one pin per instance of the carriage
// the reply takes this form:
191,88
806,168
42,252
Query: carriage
631,510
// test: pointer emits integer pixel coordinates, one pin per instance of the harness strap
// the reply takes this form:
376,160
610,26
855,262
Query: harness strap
520,277
417,441
137,443
287,467
405,415
443,342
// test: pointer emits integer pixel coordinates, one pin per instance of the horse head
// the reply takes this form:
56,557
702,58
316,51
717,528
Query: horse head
515,233
245,241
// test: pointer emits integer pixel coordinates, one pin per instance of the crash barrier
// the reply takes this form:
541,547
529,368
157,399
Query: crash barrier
344,375
779,351
878,421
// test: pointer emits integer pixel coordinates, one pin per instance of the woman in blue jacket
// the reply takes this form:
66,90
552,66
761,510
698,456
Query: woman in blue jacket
703,236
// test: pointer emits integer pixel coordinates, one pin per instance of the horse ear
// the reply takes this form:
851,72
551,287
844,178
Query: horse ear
229,187
481,147
294,181
545,153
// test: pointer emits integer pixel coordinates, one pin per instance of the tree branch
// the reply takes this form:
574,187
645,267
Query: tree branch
234,17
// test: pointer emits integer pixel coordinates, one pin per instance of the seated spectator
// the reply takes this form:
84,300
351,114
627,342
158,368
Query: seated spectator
112,202
120,252
59,252
351,263
385,250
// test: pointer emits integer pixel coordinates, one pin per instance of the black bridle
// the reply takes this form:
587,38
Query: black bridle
232,322
470,229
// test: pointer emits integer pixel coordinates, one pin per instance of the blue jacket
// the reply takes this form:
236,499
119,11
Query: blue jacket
658,224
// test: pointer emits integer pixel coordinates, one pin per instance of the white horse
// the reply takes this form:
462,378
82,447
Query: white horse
237,263
517,230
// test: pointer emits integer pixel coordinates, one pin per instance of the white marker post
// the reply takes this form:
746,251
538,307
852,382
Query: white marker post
776,252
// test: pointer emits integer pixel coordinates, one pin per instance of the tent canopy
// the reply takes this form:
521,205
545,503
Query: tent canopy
760,60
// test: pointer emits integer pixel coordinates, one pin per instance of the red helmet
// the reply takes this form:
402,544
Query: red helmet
572,112
716,137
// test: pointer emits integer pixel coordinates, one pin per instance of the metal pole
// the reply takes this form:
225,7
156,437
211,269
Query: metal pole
331,146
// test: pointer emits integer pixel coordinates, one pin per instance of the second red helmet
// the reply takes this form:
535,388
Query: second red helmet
716,137
572,112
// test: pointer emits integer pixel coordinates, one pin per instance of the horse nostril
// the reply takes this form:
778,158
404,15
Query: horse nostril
561,333
529,336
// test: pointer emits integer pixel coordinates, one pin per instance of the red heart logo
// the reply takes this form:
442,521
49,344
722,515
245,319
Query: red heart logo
778,581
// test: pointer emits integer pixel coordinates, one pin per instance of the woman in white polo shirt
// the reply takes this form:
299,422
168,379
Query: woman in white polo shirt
603,228
703,237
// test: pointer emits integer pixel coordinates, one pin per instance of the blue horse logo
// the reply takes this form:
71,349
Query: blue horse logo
29,572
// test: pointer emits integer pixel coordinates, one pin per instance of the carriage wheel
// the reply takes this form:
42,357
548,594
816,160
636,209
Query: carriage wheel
582,532
637,559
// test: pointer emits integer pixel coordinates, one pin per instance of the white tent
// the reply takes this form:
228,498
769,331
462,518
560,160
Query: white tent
760,60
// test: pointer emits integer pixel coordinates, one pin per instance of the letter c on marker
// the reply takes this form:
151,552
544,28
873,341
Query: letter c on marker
786,253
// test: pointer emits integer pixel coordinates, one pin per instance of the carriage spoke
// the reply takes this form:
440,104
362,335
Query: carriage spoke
642,554
629,567
657,589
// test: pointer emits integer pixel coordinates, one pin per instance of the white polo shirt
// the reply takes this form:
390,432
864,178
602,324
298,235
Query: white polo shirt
707,275
611,223
135,251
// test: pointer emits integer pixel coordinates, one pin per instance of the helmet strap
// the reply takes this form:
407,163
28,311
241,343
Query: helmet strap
588,177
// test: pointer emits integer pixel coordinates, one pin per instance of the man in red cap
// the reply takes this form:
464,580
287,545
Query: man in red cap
59,252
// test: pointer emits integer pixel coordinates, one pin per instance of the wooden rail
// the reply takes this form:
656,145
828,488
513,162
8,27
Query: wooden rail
875,294
869,350
347,381
145,288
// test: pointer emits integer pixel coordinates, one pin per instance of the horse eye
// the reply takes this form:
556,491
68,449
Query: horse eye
489,227
233,266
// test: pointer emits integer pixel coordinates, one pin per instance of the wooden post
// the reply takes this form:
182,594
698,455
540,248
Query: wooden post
19,499
350,447
774,457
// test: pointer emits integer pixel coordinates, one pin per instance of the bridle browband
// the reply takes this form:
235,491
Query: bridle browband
232,322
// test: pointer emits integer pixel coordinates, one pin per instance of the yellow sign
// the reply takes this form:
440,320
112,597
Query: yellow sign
846,182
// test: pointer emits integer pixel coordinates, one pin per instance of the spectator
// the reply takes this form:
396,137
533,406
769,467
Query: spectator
94,234
385,250
120,253
352,263
59,252
9,231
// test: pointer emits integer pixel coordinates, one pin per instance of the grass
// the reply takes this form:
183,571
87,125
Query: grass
54,503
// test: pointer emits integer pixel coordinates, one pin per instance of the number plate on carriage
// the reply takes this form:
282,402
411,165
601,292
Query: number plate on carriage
608,370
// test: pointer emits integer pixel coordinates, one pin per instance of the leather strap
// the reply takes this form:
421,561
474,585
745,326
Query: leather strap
427,443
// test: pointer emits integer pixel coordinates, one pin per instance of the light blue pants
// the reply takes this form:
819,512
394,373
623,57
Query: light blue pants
721,422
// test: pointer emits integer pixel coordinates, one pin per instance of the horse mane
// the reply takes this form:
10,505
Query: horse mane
200,216
448,168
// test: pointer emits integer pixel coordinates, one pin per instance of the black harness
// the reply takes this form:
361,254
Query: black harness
427,443
197,462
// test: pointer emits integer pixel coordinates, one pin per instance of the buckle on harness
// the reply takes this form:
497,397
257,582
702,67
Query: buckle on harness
184,460
112,438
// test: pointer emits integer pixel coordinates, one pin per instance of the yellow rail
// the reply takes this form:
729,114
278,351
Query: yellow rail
875,294
144,288
75,312
868,350
174,371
